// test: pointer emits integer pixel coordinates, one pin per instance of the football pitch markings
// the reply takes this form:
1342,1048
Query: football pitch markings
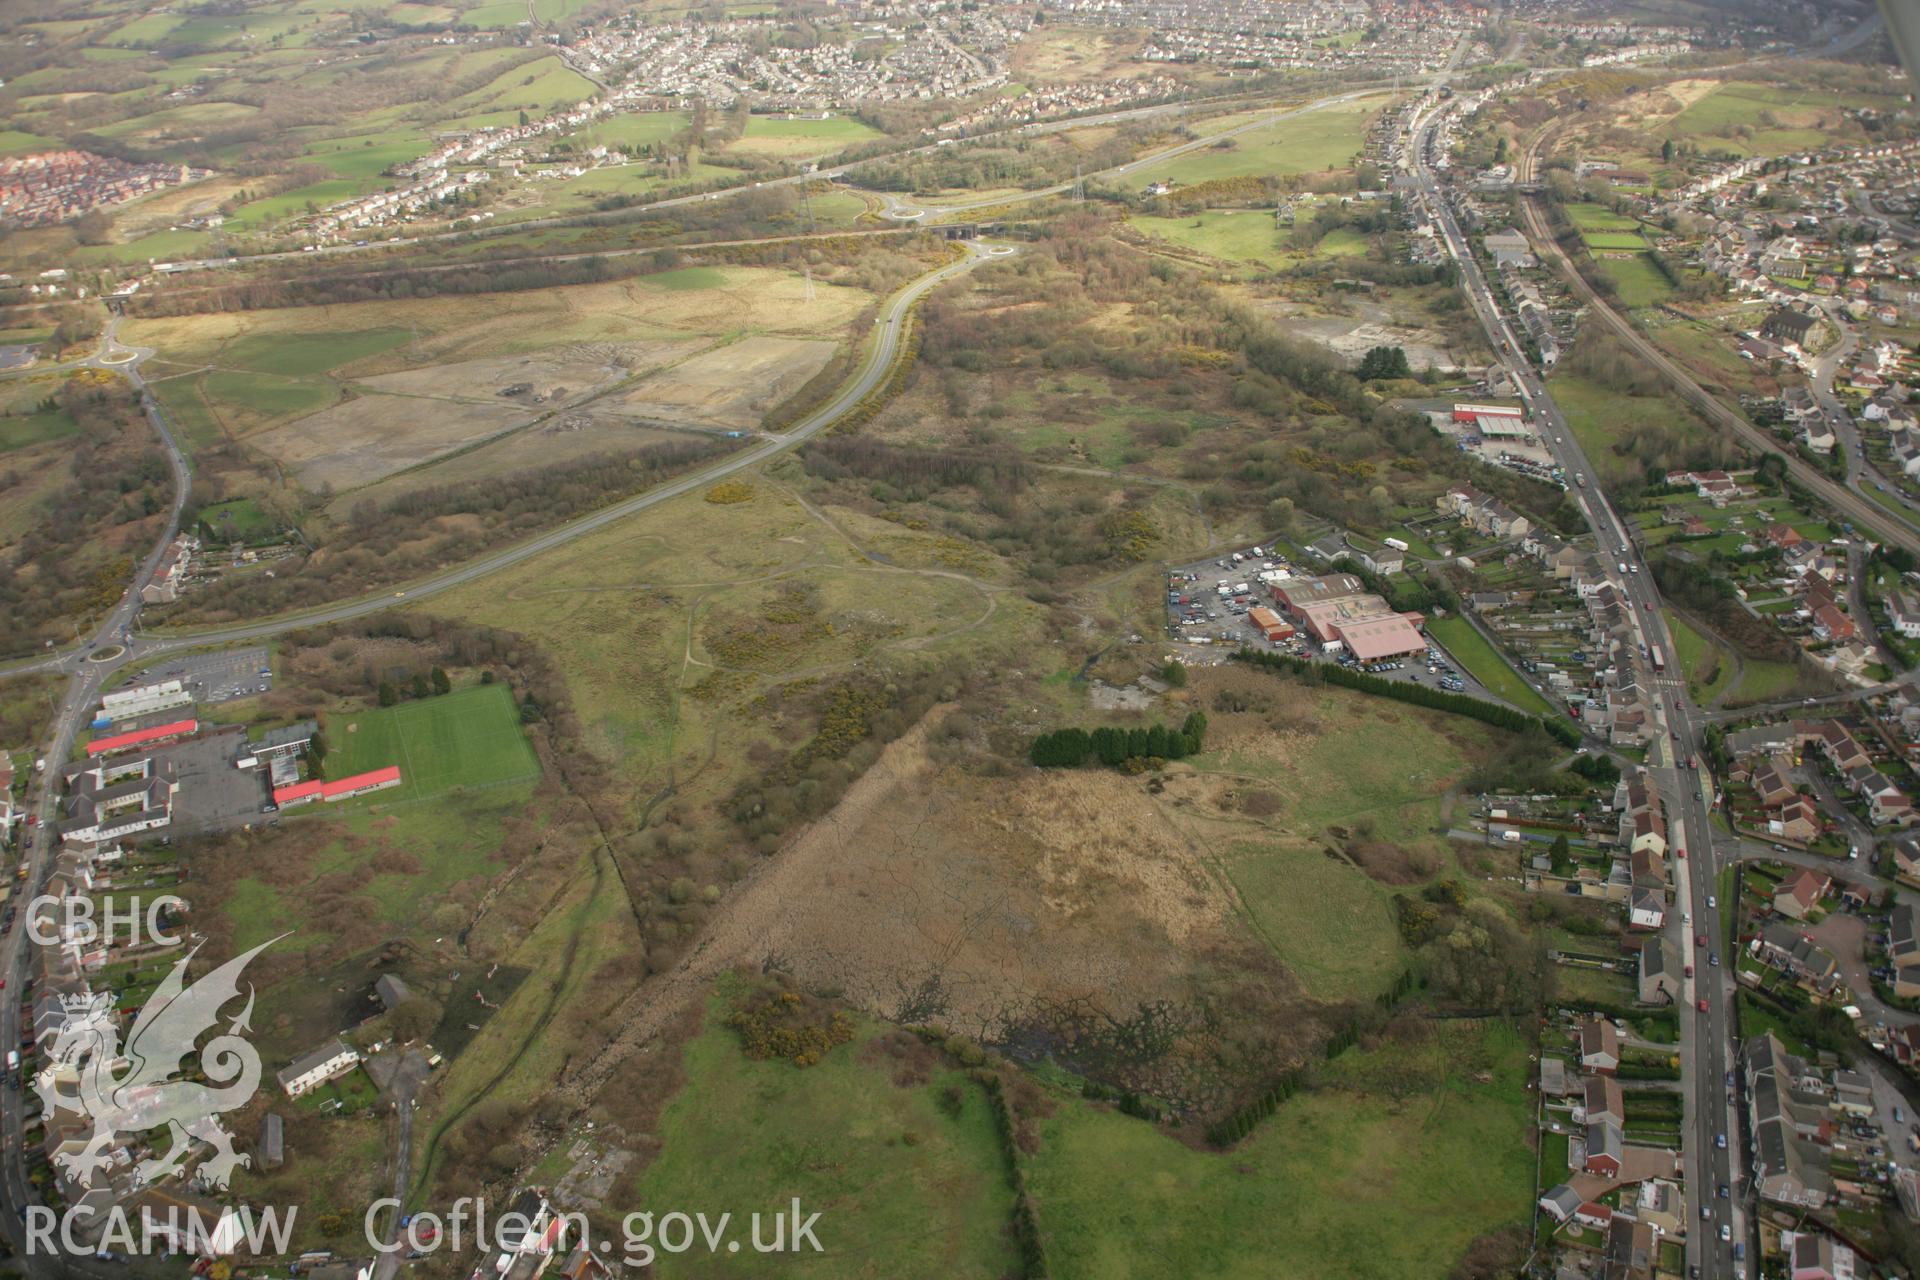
469,738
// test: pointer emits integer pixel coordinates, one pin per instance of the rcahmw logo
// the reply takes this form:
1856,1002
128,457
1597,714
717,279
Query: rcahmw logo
181,1229
133,1089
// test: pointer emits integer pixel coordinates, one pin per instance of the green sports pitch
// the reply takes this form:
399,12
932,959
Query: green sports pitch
469,738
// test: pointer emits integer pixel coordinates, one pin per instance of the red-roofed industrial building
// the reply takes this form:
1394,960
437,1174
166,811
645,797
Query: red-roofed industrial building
142,737
344,789
1471,412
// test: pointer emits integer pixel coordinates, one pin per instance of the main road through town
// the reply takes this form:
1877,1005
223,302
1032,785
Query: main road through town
115,644
83,688
1712,1141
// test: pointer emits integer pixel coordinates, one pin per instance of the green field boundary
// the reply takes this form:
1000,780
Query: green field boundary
1487,664
475,731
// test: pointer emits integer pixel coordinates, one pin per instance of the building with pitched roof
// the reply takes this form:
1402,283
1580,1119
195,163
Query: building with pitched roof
1790,1167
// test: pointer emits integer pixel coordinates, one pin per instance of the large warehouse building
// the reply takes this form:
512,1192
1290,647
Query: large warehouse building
1338,610
1378,639
1493,421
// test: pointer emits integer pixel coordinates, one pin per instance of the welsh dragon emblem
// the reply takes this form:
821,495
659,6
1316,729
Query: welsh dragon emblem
133,1089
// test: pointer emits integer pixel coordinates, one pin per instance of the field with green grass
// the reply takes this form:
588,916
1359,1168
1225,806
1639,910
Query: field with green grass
192,419
1360,1178
156,246
905,1185
1575,985
577,195
1483,662
1239,235
13,142
468,738
801,139
1593,219
536,87
260,399
402,861
1342,242
257,215
626,655
558,10
24,429
1377,759
633,129
1757,1019
1330,925
1636,280
1707,349
501,13
1248,235
1699,657
1308,143
1606,422
1376,768
236,520
308,353
146,30
277,346
1766,682
368,156
1752,119
685,279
